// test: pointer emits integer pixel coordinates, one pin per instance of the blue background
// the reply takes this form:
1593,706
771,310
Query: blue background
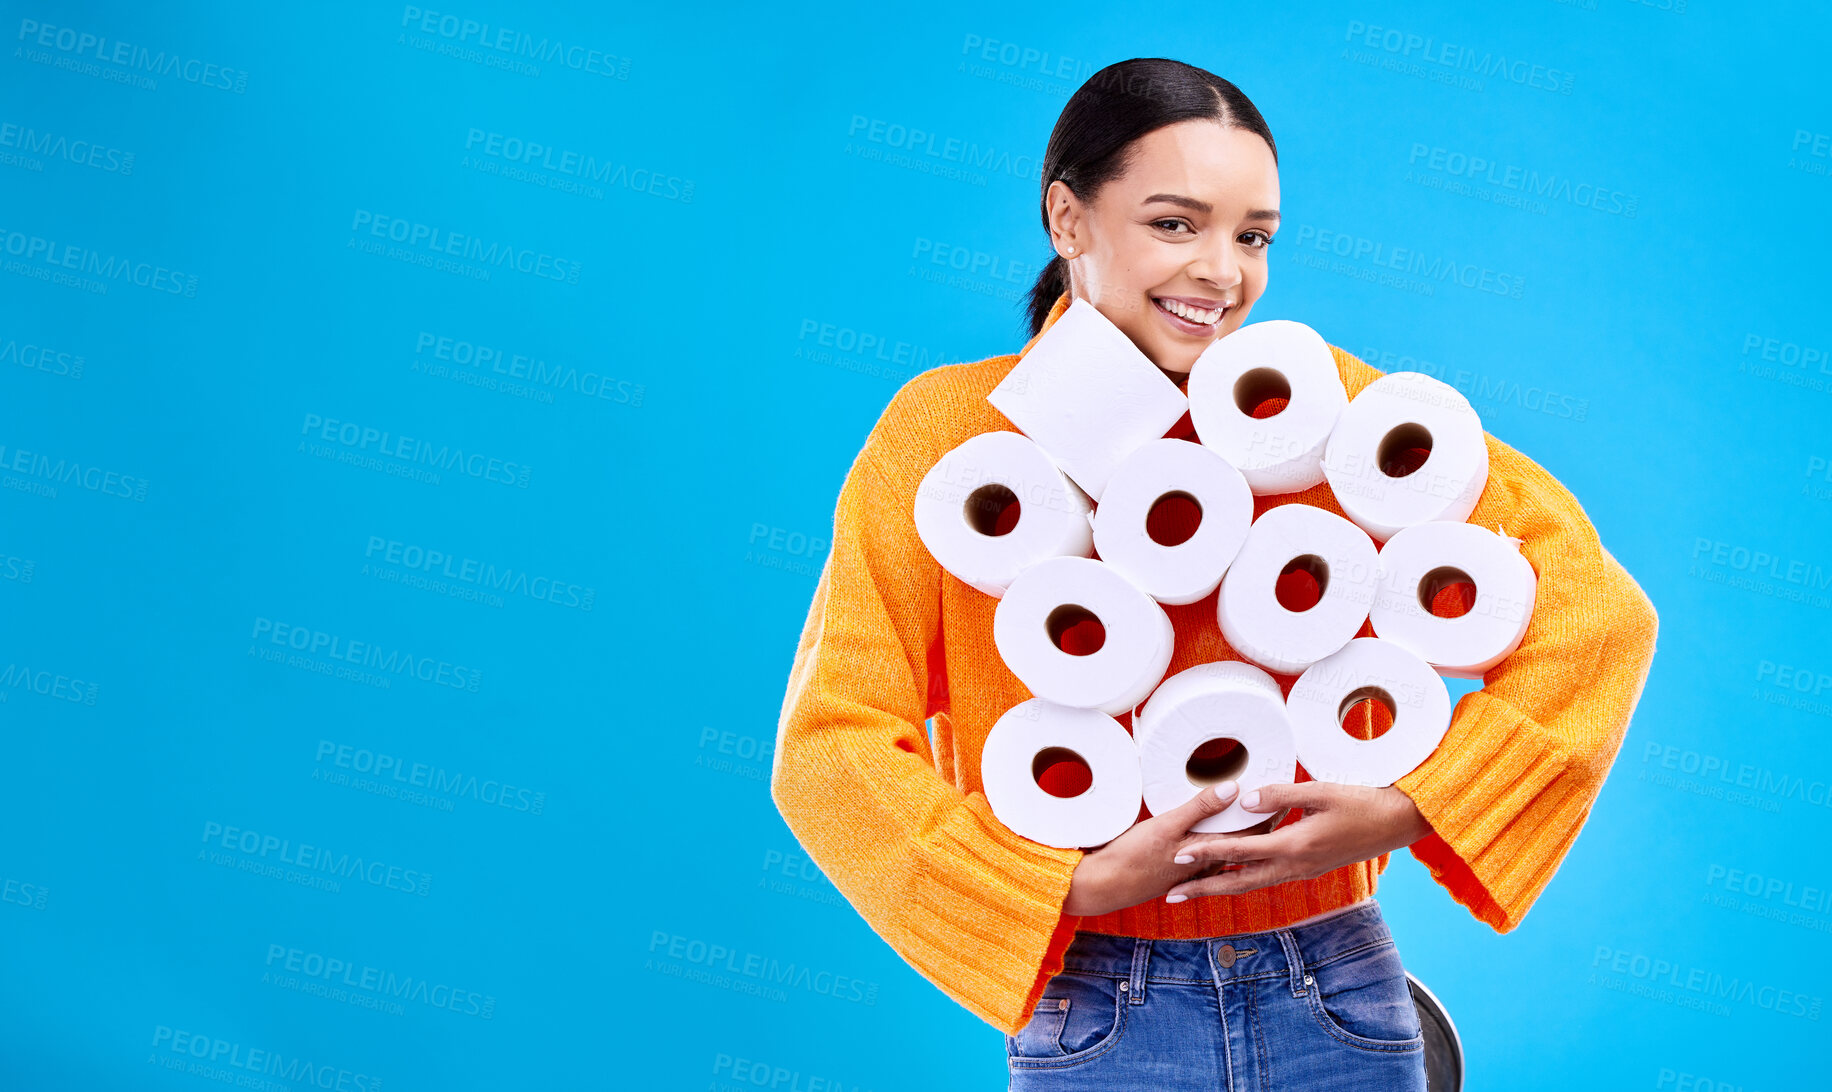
169,504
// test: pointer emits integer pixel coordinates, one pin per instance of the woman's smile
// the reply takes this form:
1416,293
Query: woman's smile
1191,316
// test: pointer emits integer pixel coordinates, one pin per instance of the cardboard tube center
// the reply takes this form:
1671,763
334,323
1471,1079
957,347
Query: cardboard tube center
1403,449
1218,759
1174,518
1447,592
1301,583
1262,392
1367,713
1075,630
992,509
1061,772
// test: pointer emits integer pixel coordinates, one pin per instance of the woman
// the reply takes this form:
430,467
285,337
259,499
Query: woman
1163,959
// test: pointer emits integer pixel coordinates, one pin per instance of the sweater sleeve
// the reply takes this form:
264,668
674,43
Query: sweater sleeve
1513,781
973,907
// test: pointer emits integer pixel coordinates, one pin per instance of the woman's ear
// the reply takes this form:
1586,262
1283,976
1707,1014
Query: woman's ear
1065,219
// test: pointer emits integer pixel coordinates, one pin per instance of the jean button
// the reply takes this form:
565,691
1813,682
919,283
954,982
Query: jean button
1224,955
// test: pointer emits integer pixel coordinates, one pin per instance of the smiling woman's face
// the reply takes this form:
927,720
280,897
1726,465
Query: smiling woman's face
1184,230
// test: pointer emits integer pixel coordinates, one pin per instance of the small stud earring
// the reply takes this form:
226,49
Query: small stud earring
1071,250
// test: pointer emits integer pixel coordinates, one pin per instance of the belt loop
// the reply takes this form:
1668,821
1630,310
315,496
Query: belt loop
1294,959
1141,956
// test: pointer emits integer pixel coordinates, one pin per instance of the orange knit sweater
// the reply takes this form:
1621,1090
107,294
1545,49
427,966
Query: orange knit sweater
899,822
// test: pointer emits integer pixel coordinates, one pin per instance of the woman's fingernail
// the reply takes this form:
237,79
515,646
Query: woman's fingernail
1227,789
1251,800
1185,859
1175,898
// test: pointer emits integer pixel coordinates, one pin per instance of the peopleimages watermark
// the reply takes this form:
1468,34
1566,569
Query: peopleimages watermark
233,1063
1499,390
1522,180
566,170
40,474
50,259
750,972
1450,57
313,862
367,439
1813,900
430,241
1811,151
403,776
1410,261
32,896
1025,58
27,144
480,575
922,145
1798,571
906,355
17,569
128,59
42,358
518,368
784,550
363,986
46,684
514,46
748,1074
363,654
1737,775
1699,987
730,750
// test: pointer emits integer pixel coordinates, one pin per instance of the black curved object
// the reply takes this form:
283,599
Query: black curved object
1443,1048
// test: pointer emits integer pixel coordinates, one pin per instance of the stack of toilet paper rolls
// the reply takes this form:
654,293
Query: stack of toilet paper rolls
1057,522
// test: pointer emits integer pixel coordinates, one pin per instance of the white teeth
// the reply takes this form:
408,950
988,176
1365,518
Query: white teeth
1184,311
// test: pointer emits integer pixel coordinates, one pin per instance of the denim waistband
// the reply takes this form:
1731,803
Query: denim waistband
1274,953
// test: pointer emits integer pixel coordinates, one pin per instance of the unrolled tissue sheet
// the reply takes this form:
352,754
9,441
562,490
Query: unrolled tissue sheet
1278,358
1191,569
1088,396
1214,701
965,502
1368,668
1421,560
1031,736
1030,622
1338,554
1398,413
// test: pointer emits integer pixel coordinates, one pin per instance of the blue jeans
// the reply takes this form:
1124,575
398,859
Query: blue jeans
1319,1007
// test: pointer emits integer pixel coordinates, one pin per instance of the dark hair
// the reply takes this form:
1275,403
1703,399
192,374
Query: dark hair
1093,138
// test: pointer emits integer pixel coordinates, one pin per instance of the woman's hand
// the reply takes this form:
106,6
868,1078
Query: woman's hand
1136,867
1342,824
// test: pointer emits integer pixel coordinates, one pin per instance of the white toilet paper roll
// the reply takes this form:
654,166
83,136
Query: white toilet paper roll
1036,734
969,494
1088,396
1368,668
1423,559
1162,469
1296,536
1061,592
1278,358
1201,705
1385,428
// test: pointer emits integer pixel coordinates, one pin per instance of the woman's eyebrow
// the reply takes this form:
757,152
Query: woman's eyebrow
1204,207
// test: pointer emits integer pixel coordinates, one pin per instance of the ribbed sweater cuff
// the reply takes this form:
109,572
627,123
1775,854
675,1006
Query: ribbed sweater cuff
1504,803
990,900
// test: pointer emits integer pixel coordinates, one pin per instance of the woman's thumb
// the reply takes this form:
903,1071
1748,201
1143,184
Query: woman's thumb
1212,800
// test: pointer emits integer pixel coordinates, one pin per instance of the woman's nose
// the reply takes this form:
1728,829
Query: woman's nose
1217,264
